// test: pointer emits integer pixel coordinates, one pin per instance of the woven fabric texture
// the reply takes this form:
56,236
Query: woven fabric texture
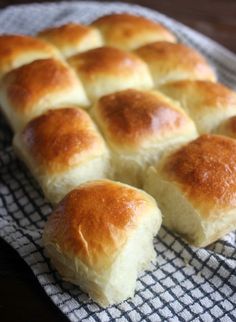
186,284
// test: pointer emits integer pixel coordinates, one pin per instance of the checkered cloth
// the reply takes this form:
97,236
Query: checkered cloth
187,284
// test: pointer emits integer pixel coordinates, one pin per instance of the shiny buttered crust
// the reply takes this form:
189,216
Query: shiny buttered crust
62,148
134,119
170,62
33,88
196,189
128,32
139,126
106,70
100,237
72,38
207,103
17,50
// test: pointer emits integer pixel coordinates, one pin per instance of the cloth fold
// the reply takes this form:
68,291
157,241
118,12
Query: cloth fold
186,284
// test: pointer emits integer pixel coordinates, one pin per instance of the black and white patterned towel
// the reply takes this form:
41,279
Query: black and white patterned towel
188,284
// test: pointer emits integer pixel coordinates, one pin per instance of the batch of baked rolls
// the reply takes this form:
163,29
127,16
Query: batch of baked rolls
99,113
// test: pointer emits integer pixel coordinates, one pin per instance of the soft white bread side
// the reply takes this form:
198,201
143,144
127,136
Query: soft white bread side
196,189
72,38
106,70
139,126
62,148
207,103
18,50
30,90
169,62
100,237
128,32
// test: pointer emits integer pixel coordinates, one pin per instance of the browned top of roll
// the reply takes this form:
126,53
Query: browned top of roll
128,31
70,32
177,58
205,170
228,127
232,125
61,139
94,221
16,50
132,118
72,38
105,60
202,94
30,83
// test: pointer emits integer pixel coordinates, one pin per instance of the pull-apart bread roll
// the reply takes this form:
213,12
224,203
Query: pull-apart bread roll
227,127
62,148
18,50
33,88
139,126
207,103
72,38
196,189
106,70
100,237
170,62
128,32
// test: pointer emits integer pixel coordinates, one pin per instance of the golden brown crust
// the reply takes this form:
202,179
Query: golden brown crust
132,117
177,57
228,127
205,170
71,33
61,139
231,126
128,31
26,85
206,93
13,46
105,60
72,38
93,221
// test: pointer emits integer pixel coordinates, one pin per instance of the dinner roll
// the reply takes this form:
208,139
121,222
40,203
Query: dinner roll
62,148
100,237
207,103
227,127
72,38
128,32
170,62
196,189
139,126
17,50
105,70
31,89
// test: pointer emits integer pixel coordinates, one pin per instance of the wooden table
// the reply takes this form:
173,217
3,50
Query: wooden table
21,297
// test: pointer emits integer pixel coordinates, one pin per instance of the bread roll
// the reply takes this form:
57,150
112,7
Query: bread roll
18,50
227,127
196,189
105,70
72,38
33,88
128,32
100,237
139,127
62,148
170,62
207,103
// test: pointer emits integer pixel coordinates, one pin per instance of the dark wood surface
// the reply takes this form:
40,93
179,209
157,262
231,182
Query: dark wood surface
21,298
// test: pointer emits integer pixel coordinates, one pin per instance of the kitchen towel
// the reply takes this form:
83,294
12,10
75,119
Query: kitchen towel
187,284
